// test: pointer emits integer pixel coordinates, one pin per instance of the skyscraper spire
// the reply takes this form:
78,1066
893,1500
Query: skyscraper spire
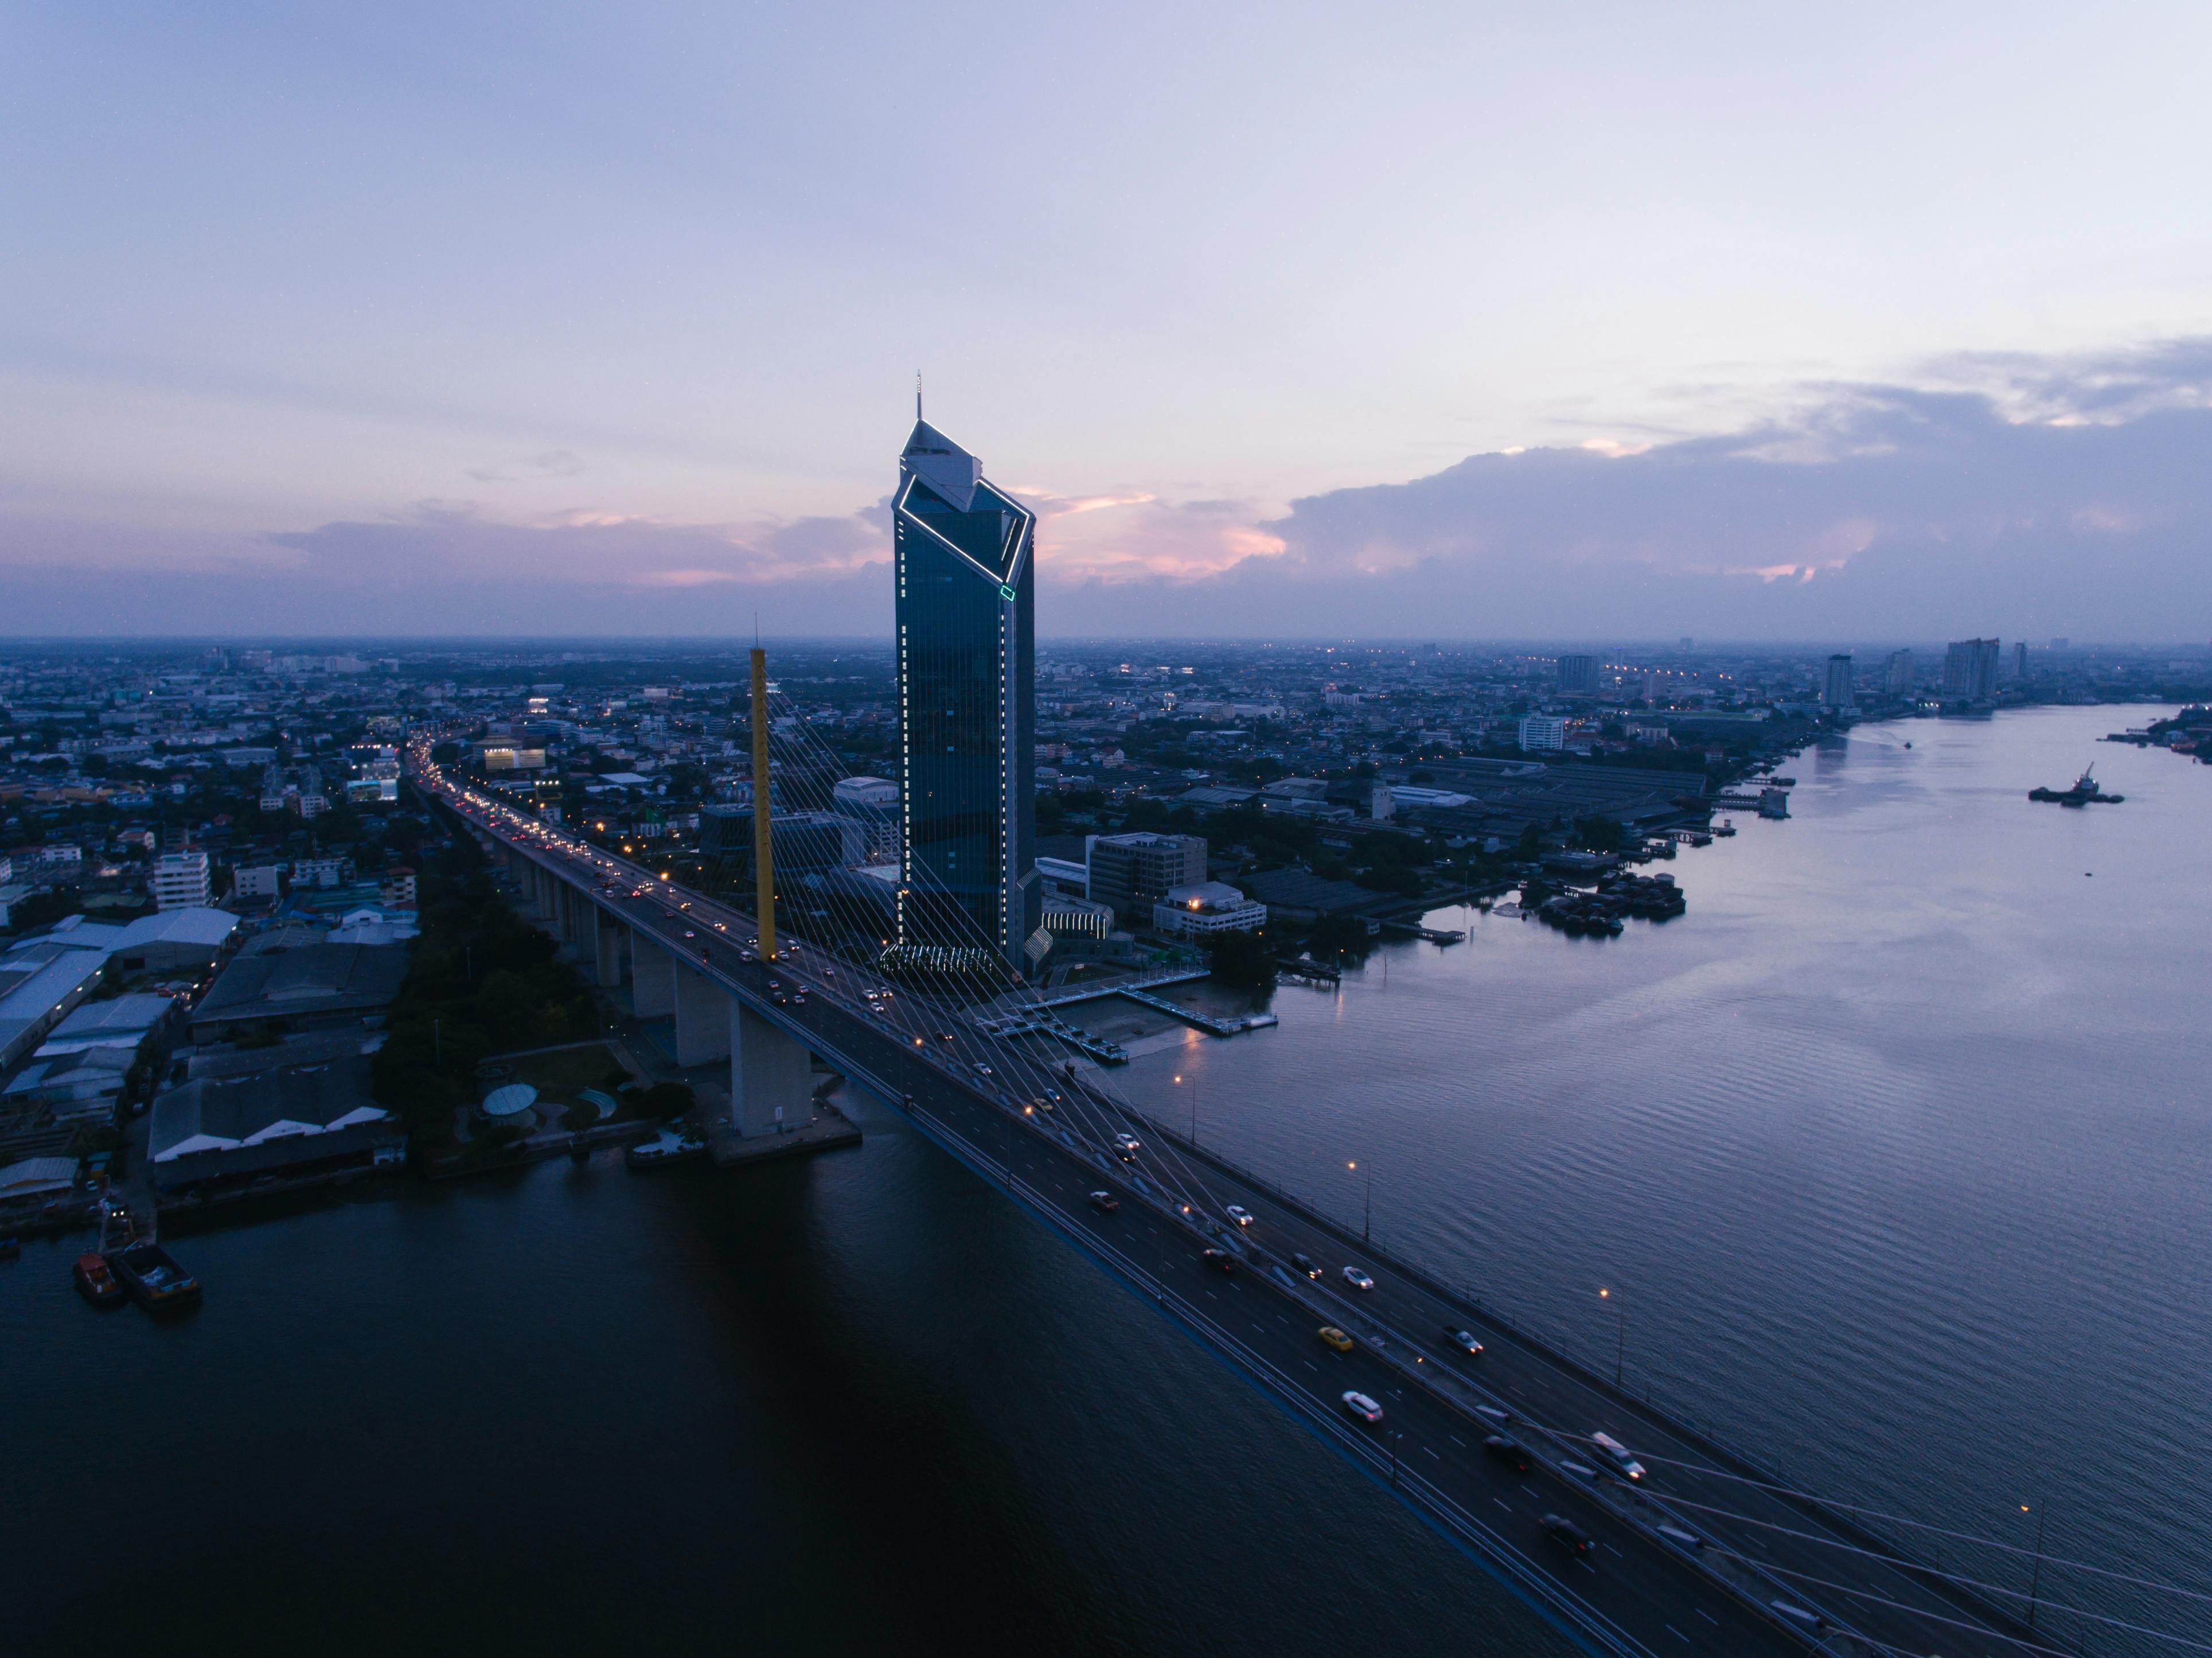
917,394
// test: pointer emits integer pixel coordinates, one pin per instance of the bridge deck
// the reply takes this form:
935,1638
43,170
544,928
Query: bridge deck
1641,1591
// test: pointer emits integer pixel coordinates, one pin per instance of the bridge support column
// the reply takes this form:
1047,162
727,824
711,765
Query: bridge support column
608,955
703,1020
652,978
771,1075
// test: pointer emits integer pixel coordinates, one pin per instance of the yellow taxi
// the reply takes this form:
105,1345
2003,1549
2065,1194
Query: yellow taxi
1335,1338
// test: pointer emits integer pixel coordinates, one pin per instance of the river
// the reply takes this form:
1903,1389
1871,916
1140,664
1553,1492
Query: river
1893,1152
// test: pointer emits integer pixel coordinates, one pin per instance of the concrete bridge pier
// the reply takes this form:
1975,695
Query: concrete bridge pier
607,955
652,978
702,1022
566,921
771,1075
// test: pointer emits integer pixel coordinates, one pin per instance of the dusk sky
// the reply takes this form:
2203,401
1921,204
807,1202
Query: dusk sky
1459,321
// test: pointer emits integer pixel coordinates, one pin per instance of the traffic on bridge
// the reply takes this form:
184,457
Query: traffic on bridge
1630,1533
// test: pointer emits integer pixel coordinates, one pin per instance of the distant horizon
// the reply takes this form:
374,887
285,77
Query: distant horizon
733,641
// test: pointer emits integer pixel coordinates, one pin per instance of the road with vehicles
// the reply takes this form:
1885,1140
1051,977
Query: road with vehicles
1684,1555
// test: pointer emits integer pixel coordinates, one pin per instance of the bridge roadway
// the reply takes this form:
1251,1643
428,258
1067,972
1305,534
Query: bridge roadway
1637,1592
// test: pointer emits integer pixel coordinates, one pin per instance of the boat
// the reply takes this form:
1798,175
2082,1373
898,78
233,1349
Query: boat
2084,791
96,1281
149,1274
1723,829
666,1148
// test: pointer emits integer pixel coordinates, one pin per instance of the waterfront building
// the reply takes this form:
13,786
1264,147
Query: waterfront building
1578,673
1132,872
1206,910
1541,732
1970,669
964,578
1898,675
1837,696
180,880
1066,916
2019,659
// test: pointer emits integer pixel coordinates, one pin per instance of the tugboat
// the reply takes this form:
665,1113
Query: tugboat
154,1278
2084,791
96,1281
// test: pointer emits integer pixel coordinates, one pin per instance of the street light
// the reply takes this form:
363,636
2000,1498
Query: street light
1620,1332
1367,1204
1193,1108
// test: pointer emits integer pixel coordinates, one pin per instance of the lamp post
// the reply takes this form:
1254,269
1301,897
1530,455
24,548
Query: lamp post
1194,1107
1366,1204
1620,1329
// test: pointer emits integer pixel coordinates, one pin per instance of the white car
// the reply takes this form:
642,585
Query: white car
1358,1279
1363,1407
1617,1454
1127,1142
982,1070
1241,1215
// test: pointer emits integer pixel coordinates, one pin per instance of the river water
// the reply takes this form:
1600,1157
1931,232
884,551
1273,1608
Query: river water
1893,1151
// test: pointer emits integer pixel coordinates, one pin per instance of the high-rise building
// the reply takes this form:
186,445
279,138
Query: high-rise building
2019,659
180,880
1970,669
1900,677
962,562
1837,694
1133,871
1578,673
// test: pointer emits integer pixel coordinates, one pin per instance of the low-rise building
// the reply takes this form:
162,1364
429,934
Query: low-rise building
1067,916
40,982
1133,871
257,881
1206,909
300,988
284,1122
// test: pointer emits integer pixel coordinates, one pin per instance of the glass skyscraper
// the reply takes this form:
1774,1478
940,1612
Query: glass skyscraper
962,557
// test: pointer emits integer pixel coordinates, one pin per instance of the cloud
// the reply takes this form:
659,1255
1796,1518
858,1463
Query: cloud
439,543
2070,496
553,463
2017,495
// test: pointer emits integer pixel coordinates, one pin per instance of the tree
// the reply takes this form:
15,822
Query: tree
1242,959
667,1100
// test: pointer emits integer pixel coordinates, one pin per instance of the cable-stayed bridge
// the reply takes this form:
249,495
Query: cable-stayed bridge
1699,1552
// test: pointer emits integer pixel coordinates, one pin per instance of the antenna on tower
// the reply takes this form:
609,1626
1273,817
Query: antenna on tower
917,395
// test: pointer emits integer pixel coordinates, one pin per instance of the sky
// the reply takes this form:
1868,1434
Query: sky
1464,320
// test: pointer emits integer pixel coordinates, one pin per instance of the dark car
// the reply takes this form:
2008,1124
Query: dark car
1463,1339
1220,1261
1307,1264
1510,1452
1105,1202
1567,1534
